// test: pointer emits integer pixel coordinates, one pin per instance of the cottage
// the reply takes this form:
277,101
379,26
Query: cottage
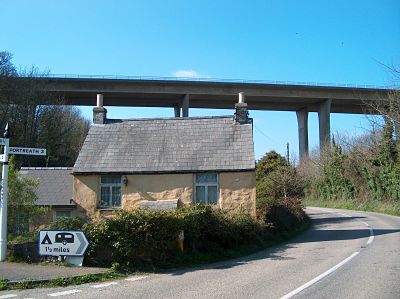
54,190
166,162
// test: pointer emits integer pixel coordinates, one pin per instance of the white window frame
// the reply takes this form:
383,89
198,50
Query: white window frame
195,184
110,186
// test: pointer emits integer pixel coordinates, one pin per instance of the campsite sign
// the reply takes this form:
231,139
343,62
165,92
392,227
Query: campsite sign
62,242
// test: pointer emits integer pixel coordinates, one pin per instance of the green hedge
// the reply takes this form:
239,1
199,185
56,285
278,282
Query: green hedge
150,237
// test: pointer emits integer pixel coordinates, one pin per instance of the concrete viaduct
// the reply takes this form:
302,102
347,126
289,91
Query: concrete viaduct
182,95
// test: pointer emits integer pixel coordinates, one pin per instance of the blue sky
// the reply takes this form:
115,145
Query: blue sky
339,42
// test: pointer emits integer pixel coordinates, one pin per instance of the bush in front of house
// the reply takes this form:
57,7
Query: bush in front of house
141,236
67,223
279,192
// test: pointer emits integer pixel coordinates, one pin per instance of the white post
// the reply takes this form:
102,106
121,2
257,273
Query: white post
3,203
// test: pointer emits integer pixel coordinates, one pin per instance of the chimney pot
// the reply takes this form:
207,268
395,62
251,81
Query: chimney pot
99,100
241,97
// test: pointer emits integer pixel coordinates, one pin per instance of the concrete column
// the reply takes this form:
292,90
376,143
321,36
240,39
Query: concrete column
302,121
185,106
324,110
177,111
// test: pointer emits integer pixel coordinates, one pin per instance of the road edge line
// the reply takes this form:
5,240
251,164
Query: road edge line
319,277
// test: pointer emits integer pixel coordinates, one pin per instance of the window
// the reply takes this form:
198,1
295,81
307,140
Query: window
206,188
59,214
110,191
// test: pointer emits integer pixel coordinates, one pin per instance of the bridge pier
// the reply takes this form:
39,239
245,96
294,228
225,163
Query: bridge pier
185,106
324,118
302,121
177,109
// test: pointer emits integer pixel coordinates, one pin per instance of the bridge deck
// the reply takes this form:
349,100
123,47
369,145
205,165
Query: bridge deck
220,95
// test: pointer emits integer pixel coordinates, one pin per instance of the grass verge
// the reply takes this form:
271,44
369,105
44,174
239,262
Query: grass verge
390,208
60,282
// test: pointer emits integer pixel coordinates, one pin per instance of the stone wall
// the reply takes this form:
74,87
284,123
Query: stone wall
237,190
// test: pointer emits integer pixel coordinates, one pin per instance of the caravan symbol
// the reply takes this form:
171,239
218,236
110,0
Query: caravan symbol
64,238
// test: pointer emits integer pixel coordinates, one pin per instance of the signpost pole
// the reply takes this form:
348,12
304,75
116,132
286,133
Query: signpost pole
3,203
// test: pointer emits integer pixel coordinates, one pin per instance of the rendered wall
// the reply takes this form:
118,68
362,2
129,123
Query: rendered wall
237,190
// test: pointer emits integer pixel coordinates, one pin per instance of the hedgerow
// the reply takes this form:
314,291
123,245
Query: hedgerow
150,237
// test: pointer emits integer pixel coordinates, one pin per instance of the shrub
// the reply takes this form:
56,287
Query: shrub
279,189
283,214
68,223
149,237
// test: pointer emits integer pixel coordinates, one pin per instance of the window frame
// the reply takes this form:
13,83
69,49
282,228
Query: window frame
110,186
206,185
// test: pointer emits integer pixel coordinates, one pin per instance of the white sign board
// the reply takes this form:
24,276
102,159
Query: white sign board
4,141
62,242
28,151
3,158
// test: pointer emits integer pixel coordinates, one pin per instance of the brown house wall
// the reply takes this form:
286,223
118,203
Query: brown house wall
237,190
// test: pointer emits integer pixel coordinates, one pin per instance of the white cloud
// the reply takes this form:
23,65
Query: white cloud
188,74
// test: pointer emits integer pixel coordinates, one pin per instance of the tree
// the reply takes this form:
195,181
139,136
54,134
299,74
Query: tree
277,179
60,129
333,184
21,201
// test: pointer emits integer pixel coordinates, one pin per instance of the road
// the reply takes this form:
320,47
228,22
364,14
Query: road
346,254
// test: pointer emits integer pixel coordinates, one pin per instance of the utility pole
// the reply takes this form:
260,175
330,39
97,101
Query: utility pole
5,141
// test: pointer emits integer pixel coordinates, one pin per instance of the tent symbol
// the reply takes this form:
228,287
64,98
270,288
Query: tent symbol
46,240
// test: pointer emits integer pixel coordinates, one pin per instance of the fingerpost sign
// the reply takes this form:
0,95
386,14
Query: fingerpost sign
5,142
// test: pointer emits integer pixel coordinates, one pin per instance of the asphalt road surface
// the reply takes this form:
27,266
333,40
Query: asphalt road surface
346,254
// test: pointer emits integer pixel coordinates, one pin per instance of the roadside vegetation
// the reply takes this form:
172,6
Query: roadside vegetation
148,240
360,173
60,282
59,128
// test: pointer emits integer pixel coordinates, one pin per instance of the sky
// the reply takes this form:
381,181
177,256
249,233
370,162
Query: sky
336,42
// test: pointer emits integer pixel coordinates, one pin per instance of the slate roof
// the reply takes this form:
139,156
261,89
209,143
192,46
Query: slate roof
187,144
55,184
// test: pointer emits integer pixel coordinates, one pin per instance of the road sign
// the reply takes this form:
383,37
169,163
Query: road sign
2,158
28,151
62,242
4,141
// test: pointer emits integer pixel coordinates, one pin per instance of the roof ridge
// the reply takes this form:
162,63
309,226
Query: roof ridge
46,168
168,118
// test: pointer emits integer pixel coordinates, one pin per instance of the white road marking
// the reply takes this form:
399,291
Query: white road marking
345,215
135,278
371,236
371,233
104,285
64,293
318,278
8,296
365,223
